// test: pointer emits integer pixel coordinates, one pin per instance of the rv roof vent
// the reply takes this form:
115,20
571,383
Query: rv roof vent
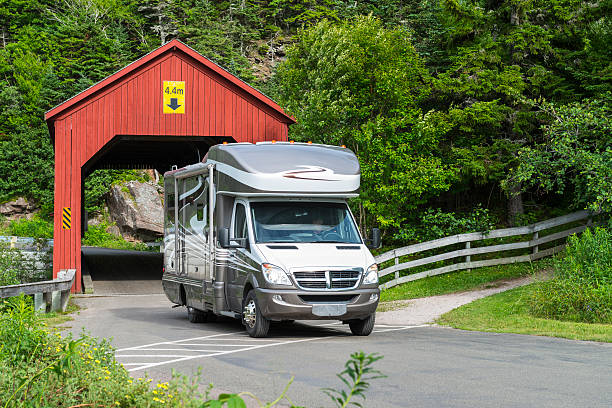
347,247
282,247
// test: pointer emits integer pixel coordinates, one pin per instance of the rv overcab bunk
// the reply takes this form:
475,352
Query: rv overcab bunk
285,245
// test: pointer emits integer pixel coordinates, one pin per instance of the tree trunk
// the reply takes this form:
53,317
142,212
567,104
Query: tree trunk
515,204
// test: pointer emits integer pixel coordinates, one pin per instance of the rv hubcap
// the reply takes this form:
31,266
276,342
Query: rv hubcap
250,313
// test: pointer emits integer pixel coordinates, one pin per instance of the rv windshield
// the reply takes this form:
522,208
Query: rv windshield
303,222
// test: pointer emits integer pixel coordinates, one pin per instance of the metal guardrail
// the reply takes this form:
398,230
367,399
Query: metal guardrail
466,253
49,295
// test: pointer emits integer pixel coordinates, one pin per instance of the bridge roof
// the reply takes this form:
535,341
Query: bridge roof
174,45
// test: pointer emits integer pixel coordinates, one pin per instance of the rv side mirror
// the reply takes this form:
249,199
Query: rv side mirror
224,237
375,241
226,242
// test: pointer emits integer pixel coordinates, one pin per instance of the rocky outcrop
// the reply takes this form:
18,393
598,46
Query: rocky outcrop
19,208
137,210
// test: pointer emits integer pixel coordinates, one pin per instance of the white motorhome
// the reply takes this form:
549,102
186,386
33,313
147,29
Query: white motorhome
285,243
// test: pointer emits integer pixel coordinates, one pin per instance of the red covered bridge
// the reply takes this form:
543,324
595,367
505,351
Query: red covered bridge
164,109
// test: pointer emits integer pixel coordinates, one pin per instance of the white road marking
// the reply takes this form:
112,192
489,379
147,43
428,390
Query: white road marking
179,341
240,342
252,347
396,328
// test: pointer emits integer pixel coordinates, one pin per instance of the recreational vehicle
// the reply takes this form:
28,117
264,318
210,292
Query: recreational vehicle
262,232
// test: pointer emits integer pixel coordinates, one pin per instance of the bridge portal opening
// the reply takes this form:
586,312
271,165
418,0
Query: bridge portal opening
165,109
109,271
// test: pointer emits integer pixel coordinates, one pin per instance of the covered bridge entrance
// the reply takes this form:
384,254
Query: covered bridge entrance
164,109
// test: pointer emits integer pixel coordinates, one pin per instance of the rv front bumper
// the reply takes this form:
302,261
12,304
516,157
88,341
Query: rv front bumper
320,305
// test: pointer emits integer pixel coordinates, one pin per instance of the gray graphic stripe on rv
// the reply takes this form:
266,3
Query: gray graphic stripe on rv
278,181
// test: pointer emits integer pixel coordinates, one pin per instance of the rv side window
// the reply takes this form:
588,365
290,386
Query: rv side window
240,225
169,204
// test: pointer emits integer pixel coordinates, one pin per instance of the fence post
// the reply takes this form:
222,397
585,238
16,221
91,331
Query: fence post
468,258
396,263
536,248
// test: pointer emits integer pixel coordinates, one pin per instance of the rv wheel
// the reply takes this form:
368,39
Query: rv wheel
363,327
195,315
256,325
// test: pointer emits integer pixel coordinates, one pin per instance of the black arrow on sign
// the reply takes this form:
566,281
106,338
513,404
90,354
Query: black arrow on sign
173,104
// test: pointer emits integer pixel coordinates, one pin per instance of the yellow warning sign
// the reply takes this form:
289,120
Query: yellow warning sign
174,96
66,218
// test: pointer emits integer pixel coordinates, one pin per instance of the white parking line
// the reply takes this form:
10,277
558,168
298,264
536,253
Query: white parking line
240,342
185,358
396,328
179,341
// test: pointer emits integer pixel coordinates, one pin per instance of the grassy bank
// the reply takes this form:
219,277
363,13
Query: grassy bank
40,368
508,312
463,280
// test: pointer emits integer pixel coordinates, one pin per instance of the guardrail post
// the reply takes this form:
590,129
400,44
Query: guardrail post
64,297
40,306
396,263
47,299
468,258
536,248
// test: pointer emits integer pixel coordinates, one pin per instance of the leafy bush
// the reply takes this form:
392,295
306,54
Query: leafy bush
98,183
16,267
36,227
582,287
436,224
38,368
98,236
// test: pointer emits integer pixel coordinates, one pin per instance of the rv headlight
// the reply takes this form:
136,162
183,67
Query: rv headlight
371,275
274,274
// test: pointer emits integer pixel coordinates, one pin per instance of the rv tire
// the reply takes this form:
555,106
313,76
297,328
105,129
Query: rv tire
255,323
363,327
195,315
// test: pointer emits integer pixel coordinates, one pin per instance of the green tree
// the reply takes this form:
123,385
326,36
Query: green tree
576,155
359,84
503,54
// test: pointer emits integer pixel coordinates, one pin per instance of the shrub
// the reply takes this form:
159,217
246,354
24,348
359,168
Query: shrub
434,224
16,267
581,289
39,368
97,235
35,227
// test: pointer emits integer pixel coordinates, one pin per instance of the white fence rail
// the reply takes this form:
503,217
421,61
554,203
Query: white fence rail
50,295
534,230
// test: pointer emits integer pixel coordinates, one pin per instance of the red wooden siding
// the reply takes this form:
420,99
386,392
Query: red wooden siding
130,103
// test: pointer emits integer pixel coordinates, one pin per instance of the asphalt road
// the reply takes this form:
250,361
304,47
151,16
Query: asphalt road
425,366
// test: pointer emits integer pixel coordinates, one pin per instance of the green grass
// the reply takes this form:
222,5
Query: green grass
463,280
507,312
54,319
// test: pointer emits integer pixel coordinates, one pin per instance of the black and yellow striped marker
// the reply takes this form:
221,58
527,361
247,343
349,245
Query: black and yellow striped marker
66,218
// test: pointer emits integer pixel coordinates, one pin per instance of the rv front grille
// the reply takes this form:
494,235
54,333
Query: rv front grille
328,298
327,280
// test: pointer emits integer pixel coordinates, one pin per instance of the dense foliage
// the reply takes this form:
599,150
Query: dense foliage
98,236
581,289
18,267
449,104
575,155
359,84
41,368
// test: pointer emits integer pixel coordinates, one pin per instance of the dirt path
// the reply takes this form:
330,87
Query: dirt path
426,310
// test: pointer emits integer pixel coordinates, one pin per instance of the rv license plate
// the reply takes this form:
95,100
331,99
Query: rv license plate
328,310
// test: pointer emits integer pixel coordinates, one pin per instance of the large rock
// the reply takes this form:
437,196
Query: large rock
18,208
137,210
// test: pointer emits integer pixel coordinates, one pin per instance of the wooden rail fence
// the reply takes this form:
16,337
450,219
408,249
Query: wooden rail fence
534,243
50,295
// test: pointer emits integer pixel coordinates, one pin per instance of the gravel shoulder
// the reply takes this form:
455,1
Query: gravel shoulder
427,310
